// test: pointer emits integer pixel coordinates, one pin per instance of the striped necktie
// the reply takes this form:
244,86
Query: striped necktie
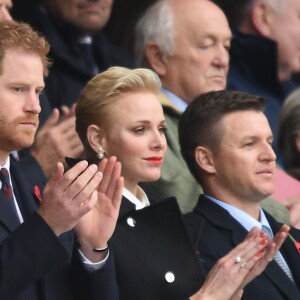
278,257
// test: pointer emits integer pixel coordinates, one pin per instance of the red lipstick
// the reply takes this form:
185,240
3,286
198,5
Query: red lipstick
156,160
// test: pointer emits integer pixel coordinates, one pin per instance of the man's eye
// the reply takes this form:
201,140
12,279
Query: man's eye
18,89
250,144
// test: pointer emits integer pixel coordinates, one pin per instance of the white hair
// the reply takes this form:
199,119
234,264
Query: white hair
156,25
276,5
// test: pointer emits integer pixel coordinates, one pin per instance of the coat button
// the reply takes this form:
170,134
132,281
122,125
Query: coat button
170,277
131,222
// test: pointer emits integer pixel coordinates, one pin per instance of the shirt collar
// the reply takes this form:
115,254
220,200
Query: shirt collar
178,102
85,40
7,164
140,202
247,221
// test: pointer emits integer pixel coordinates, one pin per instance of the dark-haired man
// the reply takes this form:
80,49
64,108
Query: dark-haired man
226,141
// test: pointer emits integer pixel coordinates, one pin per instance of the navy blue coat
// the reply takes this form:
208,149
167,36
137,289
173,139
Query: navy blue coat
35,264
215,232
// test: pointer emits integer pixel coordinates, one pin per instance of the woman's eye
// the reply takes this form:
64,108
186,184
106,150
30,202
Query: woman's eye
163,130
139,130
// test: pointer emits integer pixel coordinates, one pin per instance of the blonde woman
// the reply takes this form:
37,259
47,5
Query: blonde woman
119,114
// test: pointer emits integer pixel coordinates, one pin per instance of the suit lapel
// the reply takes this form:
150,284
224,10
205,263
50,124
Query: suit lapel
288,250
22,194
23,191
7,216
221,218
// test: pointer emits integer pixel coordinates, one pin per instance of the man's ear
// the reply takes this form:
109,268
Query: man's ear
95,137
261,17
204,159
156,59
297,142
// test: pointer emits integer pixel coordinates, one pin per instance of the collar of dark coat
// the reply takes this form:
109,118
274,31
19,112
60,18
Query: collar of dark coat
220,218
24,198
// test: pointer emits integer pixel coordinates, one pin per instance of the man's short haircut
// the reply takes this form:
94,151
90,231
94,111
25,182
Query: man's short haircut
21,37
199,125
156,25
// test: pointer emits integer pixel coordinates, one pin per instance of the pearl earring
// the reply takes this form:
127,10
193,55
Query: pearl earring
100,154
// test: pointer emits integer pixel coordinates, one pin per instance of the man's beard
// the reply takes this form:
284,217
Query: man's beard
13,136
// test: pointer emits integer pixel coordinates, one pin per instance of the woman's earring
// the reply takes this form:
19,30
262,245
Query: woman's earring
100,153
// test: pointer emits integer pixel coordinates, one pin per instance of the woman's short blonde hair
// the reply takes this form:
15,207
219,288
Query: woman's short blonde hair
97,100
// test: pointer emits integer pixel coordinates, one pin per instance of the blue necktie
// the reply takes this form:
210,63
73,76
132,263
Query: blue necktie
278,257
87,52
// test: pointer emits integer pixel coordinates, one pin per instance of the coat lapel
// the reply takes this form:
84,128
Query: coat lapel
23,192
221,218
288,250
7,216
126,207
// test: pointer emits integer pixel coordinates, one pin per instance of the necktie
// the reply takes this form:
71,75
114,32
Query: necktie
7,189
88,55
278,257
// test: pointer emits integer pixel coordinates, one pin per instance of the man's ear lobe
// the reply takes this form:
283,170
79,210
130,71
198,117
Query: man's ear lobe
297,142
156,59
261,18
204,159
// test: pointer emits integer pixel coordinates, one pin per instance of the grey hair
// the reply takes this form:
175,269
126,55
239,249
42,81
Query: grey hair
156,25
276,5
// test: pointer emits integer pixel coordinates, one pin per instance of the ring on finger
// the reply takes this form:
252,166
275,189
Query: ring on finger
243,264
237,259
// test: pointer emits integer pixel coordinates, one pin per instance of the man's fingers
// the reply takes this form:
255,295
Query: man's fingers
57,174
70,176
52,120
84,185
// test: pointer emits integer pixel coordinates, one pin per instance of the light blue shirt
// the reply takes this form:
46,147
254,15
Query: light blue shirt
178,102
243,218
246,220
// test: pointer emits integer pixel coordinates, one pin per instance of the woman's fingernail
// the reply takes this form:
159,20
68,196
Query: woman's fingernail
264,242
259,254
262,235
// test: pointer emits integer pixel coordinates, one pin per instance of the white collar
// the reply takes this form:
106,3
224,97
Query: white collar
140,202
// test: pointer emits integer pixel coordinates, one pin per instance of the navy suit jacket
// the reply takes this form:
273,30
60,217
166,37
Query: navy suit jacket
215,232
35,264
